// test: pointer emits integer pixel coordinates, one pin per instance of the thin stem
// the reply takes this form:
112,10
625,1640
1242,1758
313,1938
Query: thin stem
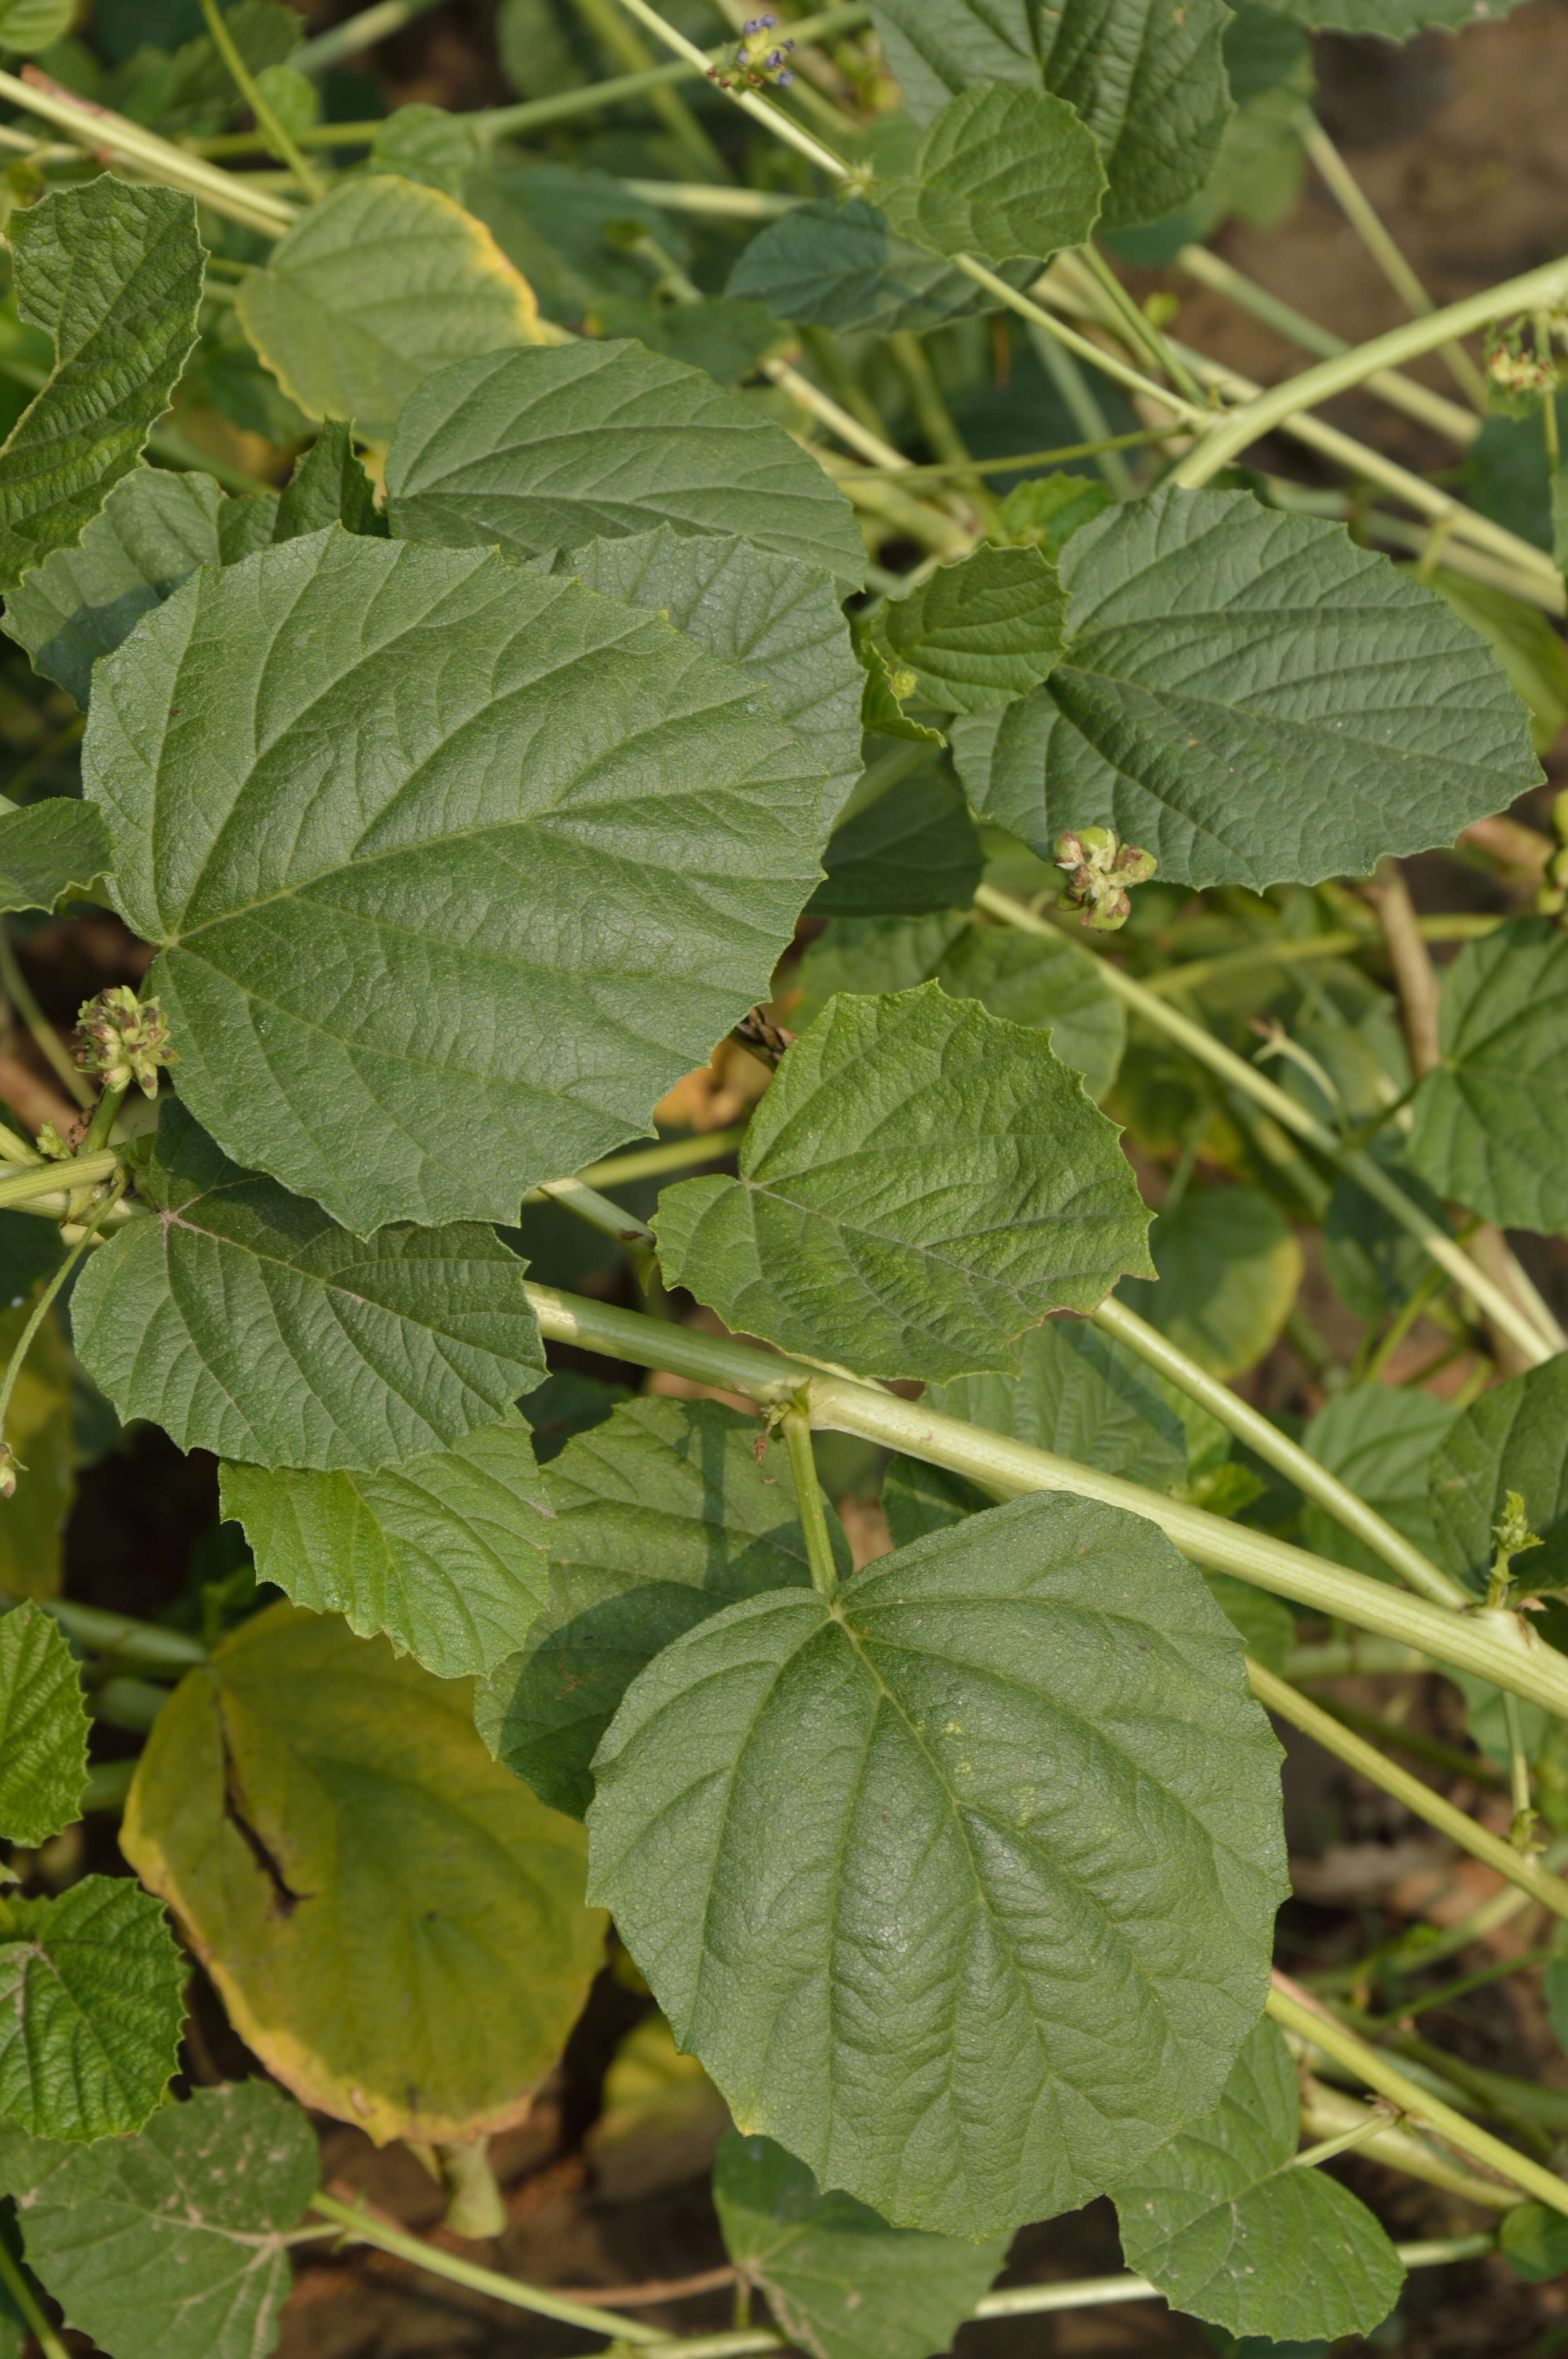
1534,290
1517,1866
1145,336
1341,943
605,20
1355,1162
276,134
1518,1776
1082,405
1403,393
793,134
1419,1746
95,129
933,418
652,1162
1263,1435
1496,1973
702,197
41,1310
1497,1649
1022,459
1433,1284
361,32
808,1498
14,2279
1293,2012
1342,2141
1325,2110
360,2228
50,1046
1359,211
598,1211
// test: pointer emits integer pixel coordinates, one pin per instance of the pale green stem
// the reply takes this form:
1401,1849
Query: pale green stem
475,2206
1292,2012
1309,2156
652,1162
145,1646
933,418
93,130
275,133
1535,590
1542,290
1355,1162
361,32
1338,944
1327,2109
1079,400
18,1150
33,2319
1403,392
1362,215
793,134
598,1211
1506,1654
1515,1867
24,1342
1020,460
130,1704
605,21
1519,1773
360,2228
838,419
1135,324
50,1046
1261,1434
808,1499
722,204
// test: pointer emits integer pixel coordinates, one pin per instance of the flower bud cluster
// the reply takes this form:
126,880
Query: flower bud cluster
1099,869
123,1039
759,59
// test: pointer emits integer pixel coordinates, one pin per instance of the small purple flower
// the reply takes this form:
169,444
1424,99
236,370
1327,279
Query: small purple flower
785,78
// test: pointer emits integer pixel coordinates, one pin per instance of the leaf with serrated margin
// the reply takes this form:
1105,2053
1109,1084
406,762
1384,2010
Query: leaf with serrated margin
1147,78
394,1925
841,2282
43,1728
776,619
978,633
114,274
243,1319
1035,979
92,1999
549,449
443,1554
381,284
1082,1394
171,2245
922,1182
50,851
912,848
842,265
962,1887
1514,1438
1381,1441
1229,1268
154,531
1491,1119
1253,698
1391,20
661,1517
439,849
1002,172
1229,2230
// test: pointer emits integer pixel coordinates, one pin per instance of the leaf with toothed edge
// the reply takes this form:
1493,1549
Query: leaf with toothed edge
43,1728
92,2000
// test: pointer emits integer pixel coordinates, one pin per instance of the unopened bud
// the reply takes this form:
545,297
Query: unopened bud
10,1467
51,1144
1100,870
123,1039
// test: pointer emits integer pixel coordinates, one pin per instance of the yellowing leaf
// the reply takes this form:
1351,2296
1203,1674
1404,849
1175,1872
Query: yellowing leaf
394,1924
380,284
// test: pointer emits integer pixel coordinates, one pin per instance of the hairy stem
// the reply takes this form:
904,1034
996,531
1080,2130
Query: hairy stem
1507,1655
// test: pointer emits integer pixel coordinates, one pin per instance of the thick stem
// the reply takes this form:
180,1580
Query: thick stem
144,1646
653,1162
808,1499
1262,1435
1294,2014
1356,1753
475,2207
1360,1166
1509,1656
93,128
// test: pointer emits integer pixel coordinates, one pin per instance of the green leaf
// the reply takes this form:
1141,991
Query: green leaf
329,486
1491,1120
50,851
171,2244
568,1402
841,2282
998,1926
843,264
1513,1438
881,703
443,1554
1041,980
1239,688
549,449
1505,473
1265,1624
374,288
92,1999
566,230
43,1728
1045,511
1380,1440
1229,1268
547,853
394,1925
1525,644
154,531
1533,2240
426,143
978,633
39,1428
1082,1395
1146,78
114,274
912,848
922,1182
1371,1260
1391,21
1002,172
918,1499
1229,2229
775,618
32,24
243,1319
661,1518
